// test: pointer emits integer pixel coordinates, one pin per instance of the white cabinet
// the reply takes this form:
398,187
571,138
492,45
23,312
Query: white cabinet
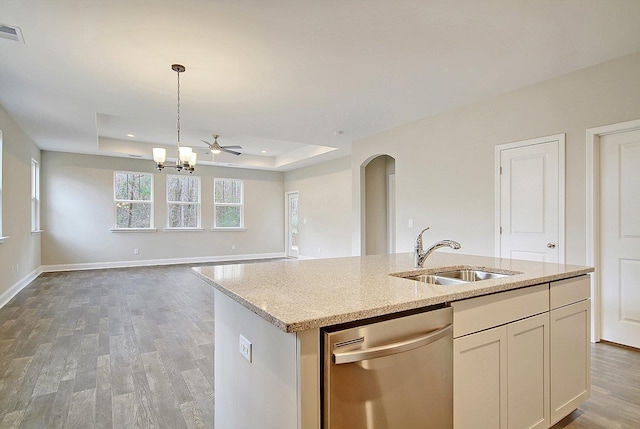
522,357
501,376
480,380
528,373
570,346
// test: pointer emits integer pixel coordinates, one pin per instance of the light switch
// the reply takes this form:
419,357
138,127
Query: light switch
410,223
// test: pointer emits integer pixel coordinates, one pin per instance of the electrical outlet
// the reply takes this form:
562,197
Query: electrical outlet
136,251
233,247
245,348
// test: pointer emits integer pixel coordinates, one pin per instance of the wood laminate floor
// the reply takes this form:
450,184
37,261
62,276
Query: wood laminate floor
119,348
133,347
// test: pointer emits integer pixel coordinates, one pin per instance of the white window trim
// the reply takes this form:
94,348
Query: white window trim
242,226
134,229
198,227
116,201
2,238
183,229
35,197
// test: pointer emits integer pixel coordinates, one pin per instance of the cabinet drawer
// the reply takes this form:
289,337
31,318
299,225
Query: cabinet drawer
565,292
476,314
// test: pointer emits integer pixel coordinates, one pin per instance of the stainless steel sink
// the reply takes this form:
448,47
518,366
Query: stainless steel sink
471,275
455,277
436,280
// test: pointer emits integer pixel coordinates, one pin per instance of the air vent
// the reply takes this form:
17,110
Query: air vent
11,33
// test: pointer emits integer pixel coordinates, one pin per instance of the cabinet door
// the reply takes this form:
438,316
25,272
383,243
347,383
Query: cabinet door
570,358
528,373
480,380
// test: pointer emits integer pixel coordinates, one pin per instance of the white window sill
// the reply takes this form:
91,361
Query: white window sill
228,229
183,229
133,230
2,239
37,232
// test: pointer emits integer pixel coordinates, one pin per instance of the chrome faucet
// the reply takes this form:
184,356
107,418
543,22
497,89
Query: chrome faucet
420,255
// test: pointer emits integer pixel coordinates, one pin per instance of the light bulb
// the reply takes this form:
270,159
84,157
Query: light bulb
192,160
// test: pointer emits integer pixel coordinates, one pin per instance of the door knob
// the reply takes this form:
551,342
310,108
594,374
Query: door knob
551,245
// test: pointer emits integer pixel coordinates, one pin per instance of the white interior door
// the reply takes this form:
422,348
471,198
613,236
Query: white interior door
619,275
531,200
293,231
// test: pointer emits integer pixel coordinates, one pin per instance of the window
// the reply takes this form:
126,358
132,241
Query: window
133,198
228,203
35,196
1,237
183,202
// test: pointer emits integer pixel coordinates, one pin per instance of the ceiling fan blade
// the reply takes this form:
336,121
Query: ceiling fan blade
206,142
232,147
230,151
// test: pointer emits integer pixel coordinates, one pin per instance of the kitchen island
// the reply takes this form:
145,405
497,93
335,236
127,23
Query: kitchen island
279,307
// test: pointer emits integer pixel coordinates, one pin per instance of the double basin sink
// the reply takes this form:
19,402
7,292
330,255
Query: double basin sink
457,277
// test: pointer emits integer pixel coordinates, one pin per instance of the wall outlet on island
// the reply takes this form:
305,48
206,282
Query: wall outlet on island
245,348
136,251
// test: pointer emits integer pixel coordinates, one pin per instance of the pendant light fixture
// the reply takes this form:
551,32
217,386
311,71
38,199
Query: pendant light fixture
186,156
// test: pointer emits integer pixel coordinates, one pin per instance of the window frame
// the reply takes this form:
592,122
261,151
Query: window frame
198,226
2,239
240,204
151,226
35,196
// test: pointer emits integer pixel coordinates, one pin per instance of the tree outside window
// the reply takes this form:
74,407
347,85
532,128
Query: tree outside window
183,201
133,199
228,203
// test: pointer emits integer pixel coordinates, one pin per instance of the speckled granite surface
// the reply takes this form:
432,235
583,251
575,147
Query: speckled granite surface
299,295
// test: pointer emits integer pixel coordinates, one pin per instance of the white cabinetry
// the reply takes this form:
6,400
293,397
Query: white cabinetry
517,364
570,346
480,380
501,374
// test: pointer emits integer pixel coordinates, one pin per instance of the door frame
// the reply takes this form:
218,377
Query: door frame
391,213
560,138
286,223
593,212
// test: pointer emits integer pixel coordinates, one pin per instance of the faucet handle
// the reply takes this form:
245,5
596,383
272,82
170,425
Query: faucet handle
419,240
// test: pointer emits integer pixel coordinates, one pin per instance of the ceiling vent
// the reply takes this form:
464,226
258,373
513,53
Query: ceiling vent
11,33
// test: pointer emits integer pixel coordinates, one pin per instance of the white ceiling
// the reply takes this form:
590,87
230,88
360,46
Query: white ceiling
279,75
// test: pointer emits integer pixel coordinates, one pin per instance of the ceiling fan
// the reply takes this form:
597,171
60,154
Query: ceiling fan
215,148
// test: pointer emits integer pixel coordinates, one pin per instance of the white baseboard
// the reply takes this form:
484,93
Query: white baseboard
304,258
152,262
13,290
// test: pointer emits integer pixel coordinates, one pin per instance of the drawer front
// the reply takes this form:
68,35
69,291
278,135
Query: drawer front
565,292
484,312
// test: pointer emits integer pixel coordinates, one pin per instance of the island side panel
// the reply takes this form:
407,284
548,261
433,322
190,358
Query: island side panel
309,407
262,393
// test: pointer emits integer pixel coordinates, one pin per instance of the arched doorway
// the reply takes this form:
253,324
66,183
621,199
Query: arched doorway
379,223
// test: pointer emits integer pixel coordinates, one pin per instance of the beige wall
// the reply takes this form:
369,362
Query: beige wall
77,213
445,163
324,206
21,248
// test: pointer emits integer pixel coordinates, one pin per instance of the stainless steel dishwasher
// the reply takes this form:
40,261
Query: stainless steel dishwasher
390,374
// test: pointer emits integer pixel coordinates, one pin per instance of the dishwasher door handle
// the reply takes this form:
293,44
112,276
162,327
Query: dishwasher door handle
393,348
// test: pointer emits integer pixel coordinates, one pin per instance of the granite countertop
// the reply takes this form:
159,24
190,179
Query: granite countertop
299,295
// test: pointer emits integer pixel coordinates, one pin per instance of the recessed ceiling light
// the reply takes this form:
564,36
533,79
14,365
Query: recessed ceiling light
339,132
263,151
130,135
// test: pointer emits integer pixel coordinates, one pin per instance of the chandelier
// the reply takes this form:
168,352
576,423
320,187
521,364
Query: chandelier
186,156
